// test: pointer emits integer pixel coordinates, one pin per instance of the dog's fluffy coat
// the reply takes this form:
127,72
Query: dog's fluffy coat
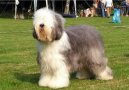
63,51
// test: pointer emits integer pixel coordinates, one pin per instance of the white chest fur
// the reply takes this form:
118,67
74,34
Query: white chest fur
50,53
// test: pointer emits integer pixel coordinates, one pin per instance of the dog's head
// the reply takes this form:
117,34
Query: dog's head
48,25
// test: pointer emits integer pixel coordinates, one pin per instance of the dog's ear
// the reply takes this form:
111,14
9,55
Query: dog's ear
34,34
59,27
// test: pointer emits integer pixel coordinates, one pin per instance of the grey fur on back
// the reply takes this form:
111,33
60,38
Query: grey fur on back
87,50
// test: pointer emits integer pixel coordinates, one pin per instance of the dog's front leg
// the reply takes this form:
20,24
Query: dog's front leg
44,80
60,78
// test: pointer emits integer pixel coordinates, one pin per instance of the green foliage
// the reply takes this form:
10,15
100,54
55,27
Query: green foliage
19,70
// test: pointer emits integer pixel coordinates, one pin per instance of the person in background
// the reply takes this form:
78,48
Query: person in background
109,6
102,2
127,7
123,7
95,6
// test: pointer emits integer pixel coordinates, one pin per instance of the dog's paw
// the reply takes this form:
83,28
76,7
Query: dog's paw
106,74
44,81
58,83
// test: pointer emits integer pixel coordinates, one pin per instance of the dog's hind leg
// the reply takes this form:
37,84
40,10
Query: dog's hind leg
103,72
98,65
106,74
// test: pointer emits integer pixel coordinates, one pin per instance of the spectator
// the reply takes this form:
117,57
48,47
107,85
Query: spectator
102,2
109,5
95,6
123,7
127,6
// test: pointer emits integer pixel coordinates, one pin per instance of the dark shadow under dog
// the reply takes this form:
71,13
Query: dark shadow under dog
25,77
34,77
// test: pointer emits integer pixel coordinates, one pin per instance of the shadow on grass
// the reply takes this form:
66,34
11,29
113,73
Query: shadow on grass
126,55
32,78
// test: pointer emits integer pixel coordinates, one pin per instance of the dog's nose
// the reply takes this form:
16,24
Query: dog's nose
41,25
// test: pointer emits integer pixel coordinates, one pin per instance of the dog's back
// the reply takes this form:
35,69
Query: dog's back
86,48
83,36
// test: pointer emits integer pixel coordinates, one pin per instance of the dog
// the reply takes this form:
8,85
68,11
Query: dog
89,12
62,51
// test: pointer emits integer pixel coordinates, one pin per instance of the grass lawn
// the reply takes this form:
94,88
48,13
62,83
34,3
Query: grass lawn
19,70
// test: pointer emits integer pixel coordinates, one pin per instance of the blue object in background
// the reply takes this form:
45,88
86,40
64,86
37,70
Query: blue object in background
116,16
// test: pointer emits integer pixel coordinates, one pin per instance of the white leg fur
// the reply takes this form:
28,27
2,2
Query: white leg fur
60,79
105,75
44,80
57,78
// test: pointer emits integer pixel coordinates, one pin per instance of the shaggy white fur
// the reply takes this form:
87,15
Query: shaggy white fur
54,72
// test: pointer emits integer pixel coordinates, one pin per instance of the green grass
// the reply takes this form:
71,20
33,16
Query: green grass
19,70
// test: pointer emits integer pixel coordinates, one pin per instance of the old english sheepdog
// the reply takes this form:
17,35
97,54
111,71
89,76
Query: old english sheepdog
61,52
